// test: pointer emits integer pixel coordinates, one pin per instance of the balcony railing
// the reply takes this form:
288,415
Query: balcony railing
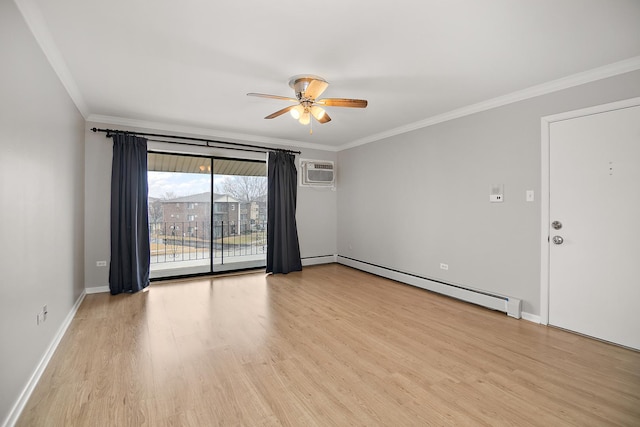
193,240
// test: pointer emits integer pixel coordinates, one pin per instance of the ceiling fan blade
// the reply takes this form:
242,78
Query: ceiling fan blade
315,89
320,114
343,102
263,95
280,112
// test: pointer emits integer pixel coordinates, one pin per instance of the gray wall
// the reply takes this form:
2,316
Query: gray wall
416,200
42,203
97,181
316,213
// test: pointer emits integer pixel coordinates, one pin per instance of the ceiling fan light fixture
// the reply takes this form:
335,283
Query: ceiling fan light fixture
308,89
297,111
305,118
318,112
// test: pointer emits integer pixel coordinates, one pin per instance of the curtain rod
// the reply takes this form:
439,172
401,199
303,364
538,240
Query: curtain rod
210,146
188,138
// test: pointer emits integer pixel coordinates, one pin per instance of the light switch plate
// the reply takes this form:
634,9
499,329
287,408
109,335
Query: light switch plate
530,196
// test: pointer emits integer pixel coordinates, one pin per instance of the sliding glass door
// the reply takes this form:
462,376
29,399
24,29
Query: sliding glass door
206,214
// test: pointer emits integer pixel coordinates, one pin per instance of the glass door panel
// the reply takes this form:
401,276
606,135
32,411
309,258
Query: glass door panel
239,214
179,214
195,231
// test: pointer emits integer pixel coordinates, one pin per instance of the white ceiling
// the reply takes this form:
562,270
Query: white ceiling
187,65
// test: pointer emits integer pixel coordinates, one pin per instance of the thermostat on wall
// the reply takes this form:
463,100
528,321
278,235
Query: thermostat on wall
497,193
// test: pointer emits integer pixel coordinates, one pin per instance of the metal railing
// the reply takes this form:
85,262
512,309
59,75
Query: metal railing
193,240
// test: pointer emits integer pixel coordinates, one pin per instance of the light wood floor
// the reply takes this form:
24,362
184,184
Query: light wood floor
323,347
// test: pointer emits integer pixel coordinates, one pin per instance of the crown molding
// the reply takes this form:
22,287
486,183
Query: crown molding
36,23
218,135
614,69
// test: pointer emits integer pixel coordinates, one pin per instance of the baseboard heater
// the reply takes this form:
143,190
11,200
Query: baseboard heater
511,306
318,259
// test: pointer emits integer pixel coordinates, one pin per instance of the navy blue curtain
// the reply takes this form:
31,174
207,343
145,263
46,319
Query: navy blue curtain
130,252
283,250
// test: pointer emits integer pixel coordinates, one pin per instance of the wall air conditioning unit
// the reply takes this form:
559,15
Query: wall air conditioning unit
317,173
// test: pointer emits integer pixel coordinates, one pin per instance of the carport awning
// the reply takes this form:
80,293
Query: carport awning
160,162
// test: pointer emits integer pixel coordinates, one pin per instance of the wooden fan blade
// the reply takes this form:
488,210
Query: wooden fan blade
315,89
279,112
263,95
343,102
320,114
325,119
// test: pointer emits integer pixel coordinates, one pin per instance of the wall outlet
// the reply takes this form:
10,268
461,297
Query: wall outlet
101,263
444,266
42,316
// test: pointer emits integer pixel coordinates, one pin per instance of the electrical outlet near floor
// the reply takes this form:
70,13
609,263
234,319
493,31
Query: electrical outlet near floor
41,317
444,266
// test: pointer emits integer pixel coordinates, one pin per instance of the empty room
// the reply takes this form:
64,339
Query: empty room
319,214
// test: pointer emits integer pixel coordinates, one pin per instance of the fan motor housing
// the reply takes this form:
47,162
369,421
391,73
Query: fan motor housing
300,82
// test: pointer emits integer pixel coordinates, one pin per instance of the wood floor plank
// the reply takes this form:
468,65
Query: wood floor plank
326,346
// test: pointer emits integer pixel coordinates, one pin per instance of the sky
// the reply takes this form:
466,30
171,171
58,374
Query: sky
180,184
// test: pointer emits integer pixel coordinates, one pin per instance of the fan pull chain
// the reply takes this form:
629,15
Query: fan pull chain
311,127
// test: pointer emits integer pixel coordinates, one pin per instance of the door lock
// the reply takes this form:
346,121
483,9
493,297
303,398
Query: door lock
558,240
557,225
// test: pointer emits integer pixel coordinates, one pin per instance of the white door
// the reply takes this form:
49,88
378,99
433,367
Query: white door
594,195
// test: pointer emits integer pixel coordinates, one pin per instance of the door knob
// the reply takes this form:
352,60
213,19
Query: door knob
558,240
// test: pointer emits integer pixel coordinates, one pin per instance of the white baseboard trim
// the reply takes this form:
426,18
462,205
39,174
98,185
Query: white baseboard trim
96,290
18,407
317,260
509,305
531,317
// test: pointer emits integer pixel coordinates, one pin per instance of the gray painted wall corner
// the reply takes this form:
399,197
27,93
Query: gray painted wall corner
416,200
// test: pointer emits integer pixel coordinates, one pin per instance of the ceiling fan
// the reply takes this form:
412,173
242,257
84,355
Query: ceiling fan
307,89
